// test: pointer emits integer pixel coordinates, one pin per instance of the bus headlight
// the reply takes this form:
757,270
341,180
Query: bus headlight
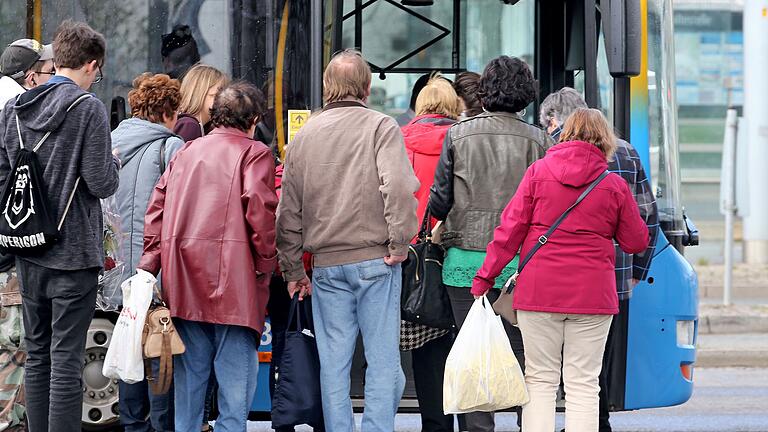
686,331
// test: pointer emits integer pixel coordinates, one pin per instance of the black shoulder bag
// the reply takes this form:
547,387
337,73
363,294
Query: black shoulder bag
503,305
424,299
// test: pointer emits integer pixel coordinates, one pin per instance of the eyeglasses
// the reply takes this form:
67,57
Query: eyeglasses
99,76
51,72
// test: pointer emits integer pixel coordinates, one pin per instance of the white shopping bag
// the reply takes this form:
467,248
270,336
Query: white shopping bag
482,373
124,359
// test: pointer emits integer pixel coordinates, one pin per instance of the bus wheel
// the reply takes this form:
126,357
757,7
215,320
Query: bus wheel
100,394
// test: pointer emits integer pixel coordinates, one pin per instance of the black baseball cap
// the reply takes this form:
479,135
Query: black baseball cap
21,55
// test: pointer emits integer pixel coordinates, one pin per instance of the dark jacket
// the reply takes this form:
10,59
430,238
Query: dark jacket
626,163
79,146
188,128
574,271
210,225
482,163
137,143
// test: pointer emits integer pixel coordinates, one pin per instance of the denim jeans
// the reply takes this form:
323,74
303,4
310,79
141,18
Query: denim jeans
231,351
143,411
58,306
361,297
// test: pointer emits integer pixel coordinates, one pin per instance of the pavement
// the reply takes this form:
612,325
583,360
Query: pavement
735,335
724,400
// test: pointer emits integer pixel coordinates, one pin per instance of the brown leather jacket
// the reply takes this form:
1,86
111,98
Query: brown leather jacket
210,225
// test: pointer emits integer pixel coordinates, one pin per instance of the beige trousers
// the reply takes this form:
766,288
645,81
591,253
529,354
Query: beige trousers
575,343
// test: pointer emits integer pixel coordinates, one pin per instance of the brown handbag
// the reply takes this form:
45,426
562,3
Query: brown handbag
503,305
160,340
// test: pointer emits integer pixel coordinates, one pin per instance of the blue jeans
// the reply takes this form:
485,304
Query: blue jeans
137,400
231,351
347,299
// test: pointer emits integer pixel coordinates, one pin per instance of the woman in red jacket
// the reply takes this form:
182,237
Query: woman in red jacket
437,107
566,295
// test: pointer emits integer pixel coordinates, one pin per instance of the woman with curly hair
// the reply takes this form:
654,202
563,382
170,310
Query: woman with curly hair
145,145
481,165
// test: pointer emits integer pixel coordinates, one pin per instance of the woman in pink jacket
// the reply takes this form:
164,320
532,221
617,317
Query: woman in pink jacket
566,295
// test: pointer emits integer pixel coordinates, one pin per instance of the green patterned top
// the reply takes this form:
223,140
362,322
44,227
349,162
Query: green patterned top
461,265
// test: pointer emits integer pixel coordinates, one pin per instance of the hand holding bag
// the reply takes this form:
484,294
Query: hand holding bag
482,372
297,390
503,305
124,359
160,340
424,299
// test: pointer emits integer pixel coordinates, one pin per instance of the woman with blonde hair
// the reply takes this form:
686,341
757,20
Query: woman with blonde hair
198,89
566,290
437,108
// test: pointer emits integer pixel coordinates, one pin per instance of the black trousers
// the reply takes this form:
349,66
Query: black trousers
461,301
58,306
428,373
615,357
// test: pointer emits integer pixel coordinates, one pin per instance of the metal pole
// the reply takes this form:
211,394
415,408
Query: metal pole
316,54
590,54
728,198
756,115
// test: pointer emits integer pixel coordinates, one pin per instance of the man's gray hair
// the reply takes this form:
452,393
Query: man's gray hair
559,105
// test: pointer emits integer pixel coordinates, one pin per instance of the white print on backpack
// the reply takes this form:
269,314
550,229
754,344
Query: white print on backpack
22,242
17,201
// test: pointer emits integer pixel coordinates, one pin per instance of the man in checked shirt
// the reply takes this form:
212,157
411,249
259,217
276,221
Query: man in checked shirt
630,269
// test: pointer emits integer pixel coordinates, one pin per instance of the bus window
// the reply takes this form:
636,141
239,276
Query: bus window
488,29
13,21
665,167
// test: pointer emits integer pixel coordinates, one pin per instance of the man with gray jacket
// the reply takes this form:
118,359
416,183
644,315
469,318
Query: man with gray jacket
59,286
348,198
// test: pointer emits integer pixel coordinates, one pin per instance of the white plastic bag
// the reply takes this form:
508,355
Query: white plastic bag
482,373
124,359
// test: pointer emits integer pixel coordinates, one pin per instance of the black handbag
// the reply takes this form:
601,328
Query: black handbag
424,299
297,398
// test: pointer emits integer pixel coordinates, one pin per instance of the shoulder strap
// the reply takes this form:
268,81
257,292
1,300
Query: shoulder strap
47,134
543,239
40,143
161,157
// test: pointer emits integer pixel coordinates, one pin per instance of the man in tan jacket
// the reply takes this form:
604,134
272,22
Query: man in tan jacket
348,198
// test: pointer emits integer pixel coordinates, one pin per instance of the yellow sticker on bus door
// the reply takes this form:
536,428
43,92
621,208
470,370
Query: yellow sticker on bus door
296,119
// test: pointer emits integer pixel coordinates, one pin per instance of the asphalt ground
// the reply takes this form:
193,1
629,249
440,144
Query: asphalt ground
724,400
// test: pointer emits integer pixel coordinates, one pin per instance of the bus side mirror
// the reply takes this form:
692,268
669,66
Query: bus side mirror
691,237
623,33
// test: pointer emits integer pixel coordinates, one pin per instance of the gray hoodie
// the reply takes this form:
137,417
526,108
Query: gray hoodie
137,143
79,146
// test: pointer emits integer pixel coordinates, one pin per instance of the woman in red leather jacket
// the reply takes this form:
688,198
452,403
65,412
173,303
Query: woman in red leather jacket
437,108
210,225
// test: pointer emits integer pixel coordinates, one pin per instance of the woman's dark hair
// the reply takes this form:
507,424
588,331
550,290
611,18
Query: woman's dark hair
507,85
237,105
466,85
